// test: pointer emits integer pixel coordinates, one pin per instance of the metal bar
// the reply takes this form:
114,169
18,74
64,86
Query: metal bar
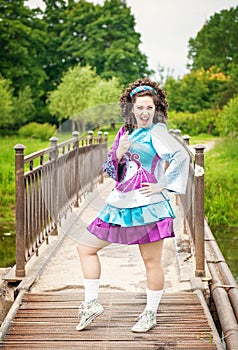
224,271
20,246
199,211
76,167
225,313
55,188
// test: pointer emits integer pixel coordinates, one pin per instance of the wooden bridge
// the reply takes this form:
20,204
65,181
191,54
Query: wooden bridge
48,192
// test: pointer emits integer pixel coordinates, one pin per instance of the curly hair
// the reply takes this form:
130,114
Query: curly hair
126,103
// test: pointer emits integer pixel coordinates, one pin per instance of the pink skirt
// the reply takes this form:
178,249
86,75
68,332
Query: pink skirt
132,235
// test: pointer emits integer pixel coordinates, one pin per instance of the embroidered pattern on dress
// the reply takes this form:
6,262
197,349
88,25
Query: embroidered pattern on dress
141,175
109,167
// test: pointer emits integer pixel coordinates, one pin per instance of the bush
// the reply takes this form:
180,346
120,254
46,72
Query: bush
227,122
221,183
41,132
202,122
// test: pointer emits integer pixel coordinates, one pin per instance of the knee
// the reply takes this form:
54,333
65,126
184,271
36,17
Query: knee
151,262
85,250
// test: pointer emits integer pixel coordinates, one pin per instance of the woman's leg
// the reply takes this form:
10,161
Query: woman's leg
91,269
152,255
89,261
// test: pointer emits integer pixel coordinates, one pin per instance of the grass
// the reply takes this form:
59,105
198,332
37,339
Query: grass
7,193
221,183
202,139
7,173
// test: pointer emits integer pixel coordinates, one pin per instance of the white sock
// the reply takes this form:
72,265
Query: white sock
153,299
91,289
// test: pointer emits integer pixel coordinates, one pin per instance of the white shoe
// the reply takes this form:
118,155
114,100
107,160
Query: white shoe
88,312
146,321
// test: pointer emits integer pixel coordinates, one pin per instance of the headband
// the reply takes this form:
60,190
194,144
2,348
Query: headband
142,88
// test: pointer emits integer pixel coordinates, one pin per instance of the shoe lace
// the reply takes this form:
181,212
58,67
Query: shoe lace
144,316
84,307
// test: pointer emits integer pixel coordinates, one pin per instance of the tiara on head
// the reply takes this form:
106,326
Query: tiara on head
142,88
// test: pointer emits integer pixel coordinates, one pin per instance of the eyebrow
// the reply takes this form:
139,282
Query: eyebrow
144,106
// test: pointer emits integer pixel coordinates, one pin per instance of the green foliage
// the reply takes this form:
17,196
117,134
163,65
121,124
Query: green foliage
6,105
199,90
103,37
227,123
22,40
34,130
221,183
14,110
195,123
80,90
216,44
23,107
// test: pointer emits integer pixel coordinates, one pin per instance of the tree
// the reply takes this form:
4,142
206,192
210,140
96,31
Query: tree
55,61
199,90
216,44
14,110
22,39
103,37
23,107
6,105
80,90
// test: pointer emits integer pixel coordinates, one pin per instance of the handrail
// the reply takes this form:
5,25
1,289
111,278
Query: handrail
192,202
224,289
52,184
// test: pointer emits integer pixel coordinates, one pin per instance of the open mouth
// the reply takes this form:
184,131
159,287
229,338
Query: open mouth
144,118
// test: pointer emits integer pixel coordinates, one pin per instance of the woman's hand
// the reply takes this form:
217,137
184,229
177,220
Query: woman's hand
123,146
148,188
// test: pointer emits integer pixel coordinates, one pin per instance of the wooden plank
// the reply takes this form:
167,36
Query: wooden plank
48,320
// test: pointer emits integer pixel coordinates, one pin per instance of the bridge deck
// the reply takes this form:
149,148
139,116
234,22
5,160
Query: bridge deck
47,321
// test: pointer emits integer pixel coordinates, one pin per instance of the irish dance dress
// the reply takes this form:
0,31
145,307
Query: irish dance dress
128,216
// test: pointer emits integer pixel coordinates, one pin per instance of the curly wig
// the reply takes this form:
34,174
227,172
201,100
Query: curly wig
126,103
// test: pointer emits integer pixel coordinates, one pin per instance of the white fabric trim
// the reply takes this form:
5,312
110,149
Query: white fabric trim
134,199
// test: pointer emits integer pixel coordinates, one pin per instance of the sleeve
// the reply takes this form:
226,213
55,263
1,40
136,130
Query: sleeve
169,149
116,170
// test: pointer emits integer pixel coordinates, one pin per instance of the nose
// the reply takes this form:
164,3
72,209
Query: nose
145,112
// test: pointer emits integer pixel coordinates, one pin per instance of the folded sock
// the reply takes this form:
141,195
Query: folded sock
153,299
91,289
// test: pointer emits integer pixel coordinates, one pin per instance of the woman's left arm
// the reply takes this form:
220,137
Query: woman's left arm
169,149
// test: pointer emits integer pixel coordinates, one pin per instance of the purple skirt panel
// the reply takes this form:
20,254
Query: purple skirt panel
132,235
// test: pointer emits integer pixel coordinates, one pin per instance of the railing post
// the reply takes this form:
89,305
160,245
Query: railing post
100,136
90,137
105,136
199,211
177,132
76,164
20,205
54,210
186,139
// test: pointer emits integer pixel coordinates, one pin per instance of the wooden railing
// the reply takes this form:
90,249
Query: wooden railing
192,203
223,287
50,182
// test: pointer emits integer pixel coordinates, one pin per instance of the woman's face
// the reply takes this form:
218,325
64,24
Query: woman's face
144,111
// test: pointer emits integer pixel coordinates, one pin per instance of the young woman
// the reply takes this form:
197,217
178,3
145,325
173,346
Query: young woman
138,210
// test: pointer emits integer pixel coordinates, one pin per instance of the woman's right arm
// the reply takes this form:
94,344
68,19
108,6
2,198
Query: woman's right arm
115,164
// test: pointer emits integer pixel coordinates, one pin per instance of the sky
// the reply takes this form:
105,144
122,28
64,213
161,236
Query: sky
166,27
